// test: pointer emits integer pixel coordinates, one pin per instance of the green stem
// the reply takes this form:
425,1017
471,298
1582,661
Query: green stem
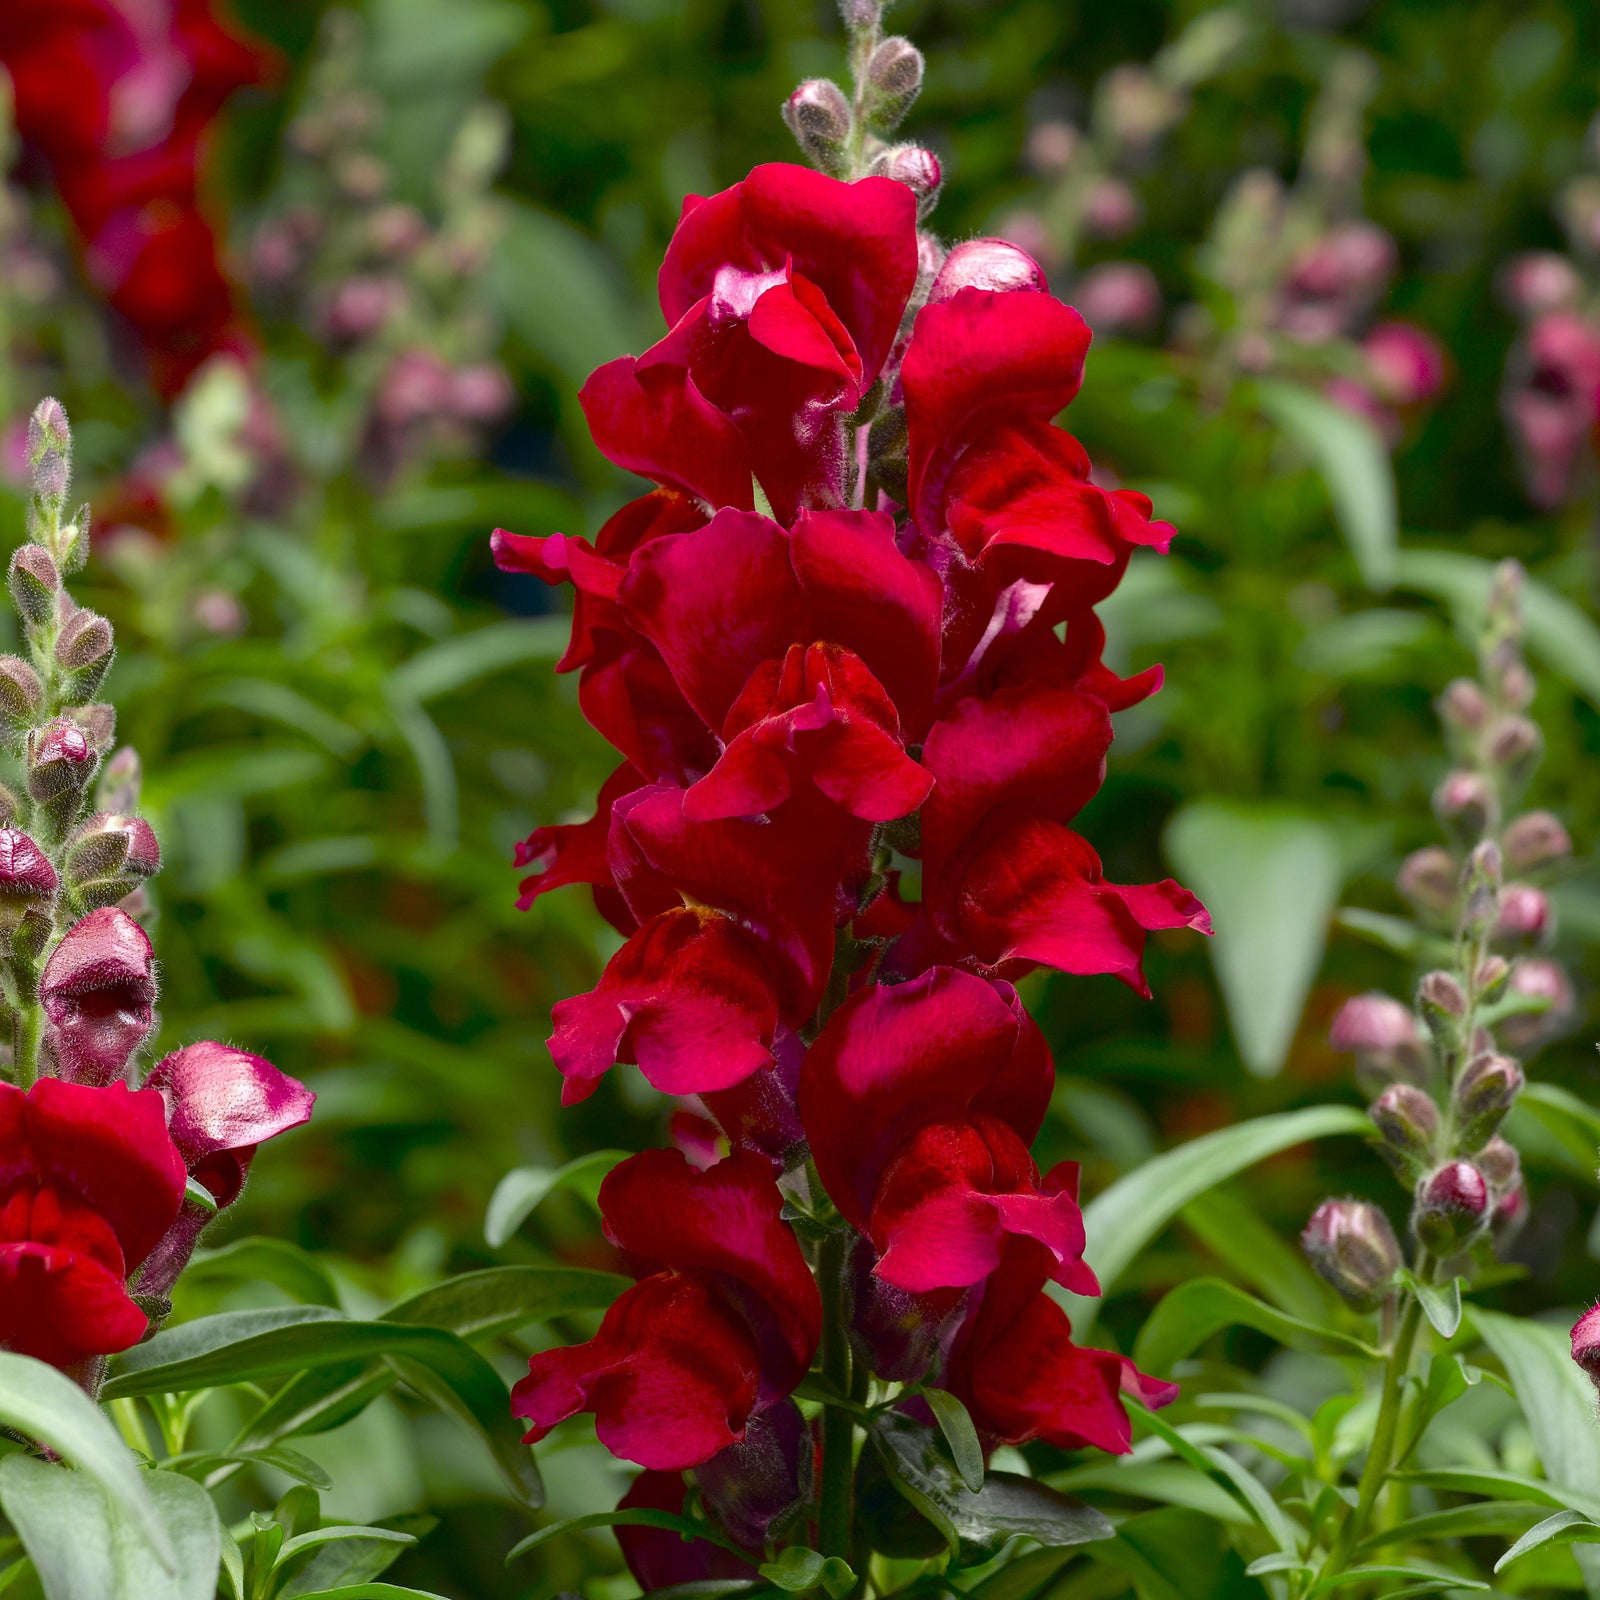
30,1030
835,1514
1380,1456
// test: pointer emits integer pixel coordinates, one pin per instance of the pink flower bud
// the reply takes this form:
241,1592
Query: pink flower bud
1374,1024
986,264
396,229
27,880
1538,978
894,80
99,992
35,583
1118,297
819,117
1513,742
1484,1092
21,692
1540,281
916,168
1439,995
1466,803
481,392
1408,1122
1586,1344
1525,915
1407,363
1052,147
1430,880
361,305
1463,705
48,430
1535,840
1452,1208
1352,1245
61,760
1112,209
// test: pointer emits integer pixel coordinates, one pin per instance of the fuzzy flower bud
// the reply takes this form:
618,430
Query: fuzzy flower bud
1352,1245
1514,744
1540,281
1383,1035
1118,297
1453,1207
99,991
27,880
1491,977
1524,915
859,15
1408,1121
1535,840
48,431
1430,880
1465,803
916,168
1483,1094
60,760
35,583
1111,210
1500,1165
1441,1001
894,80
21,692
120,783
84,648
1538,979
819,117
1586,1344
986,264
1463,705
107,857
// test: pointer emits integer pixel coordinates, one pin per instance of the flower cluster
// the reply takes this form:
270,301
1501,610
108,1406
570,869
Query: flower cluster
1551,395
1441,1080
848,652
108,1170
385,288
118,100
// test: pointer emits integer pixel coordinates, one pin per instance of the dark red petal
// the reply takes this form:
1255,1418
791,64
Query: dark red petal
654,421
62,1307
892,1060
671,1377
724,1221
688,999
975,355
574,852
224,1102
658,1558
111,1146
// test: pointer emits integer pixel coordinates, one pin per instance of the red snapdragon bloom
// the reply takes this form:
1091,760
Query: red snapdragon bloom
658,1558
1014,1366
118,99
99,992
723,1323
783,295
920,1101
90,1180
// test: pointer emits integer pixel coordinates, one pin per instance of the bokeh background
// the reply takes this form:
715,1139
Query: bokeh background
440,215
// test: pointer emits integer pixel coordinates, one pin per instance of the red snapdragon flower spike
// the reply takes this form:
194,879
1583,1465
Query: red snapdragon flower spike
724,1321
895,1099
1015,1367
98,991
224,1102
90,1180
783,295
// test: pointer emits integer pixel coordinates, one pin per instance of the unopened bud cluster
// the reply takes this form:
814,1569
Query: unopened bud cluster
1441,1081
77,968
852,135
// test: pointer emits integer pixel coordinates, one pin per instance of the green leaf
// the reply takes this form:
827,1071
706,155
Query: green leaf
1460,1522
1440,1302
1008,1506
1505,1486
959,1433
43,1404
1436,1578
1121,1221
335,1532
627,1519
372,1591
523,1188
247,1346
1354,464
1228,1225
1177,1555
1572,1122
799,1568
81,1546
273,1260
1191,1313
1270,878
1565,1527
1388,933
466,658
1558,1402
1558,631
1173,1483
498,1299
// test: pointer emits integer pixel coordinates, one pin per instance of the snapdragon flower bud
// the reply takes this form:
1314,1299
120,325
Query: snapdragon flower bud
1452,1207
1514,743
60,760
1484,1092
986,264
1352,1245
120,783
916,168
1430,880
1408,1122
48,431
1441,1002
35,584
819,117
85,648
21,692
1465,802
106,858
27,880
1535,839
1463,705
1383,1036
894,80
1537,978
859,15
1524,916
1586,1344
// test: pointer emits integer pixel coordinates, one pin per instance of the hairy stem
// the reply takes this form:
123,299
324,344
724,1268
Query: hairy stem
836,1513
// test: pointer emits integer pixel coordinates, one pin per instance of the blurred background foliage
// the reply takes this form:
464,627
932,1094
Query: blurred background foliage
348,718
